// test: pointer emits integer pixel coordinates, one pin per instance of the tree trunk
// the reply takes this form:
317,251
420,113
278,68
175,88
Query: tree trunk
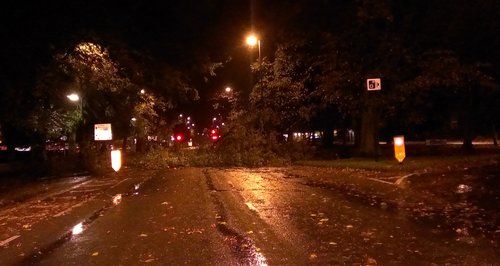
140,145
369,128
124,144
467,132
495,137
328,136
72,142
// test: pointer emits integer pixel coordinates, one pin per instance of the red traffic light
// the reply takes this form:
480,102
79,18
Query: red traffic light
213,135
179,137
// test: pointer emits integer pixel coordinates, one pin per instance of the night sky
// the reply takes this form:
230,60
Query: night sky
179,33
174,31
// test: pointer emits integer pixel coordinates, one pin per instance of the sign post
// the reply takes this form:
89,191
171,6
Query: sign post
102,132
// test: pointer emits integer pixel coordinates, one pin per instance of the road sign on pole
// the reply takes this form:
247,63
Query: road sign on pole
102,132
373,84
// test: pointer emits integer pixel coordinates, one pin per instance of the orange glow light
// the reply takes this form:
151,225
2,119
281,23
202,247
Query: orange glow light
399,148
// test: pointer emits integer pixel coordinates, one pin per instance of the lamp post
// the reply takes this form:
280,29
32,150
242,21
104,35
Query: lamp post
253,40
72,140
74,98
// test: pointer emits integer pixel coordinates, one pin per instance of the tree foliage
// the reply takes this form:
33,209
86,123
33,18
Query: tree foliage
87,70
323,72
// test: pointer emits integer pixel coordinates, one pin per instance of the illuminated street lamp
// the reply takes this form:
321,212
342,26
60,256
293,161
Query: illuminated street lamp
72,140
253,40
73,97
228,89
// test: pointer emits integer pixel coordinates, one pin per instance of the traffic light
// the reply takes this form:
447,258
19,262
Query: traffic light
179,137
214,135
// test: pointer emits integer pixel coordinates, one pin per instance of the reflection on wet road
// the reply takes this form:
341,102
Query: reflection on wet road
327,226
239,217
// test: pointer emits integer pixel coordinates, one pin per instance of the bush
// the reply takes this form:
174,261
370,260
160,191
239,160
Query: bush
240,144
250,150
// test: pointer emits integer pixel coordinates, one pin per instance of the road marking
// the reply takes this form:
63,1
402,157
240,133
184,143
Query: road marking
70,208
381,181
250,206
66,190
6,241
40,199
85,190
120,182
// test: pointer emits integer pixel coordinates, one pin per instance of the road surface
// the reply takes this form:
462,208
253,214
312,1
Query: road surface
208,216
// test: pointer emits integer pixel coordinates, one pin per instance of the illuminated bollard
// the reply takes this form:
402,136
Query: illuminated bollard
116,160
399,148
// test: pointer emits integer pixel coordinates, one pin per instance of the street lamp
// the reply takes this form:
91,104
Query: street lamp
228,89
73,97
253,40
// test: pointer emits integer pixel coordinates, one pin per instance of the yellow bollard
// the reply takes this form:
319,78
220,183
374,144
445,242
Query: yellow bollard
399,148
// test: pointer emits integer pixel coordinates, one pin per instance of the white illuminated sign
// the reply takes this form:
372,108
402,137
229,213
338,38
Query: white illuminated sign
116,160
102,132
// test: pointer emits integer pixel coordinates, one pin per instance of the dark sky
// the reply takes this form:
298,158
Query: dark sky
177,31
174,32
180,32
171,30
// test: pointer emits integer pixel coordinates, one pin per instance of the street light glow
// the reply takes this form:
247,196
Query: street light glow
73,97
252,40
228,89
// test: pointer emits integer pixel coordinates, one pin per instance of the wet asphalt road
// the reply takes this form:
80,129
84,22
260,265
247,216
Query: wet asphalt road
200,216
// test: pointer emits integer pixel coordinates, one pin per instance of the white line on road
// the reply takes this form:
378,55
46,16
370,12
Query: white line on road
250,206
120,182
70,208
30,202
6,241
381,181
